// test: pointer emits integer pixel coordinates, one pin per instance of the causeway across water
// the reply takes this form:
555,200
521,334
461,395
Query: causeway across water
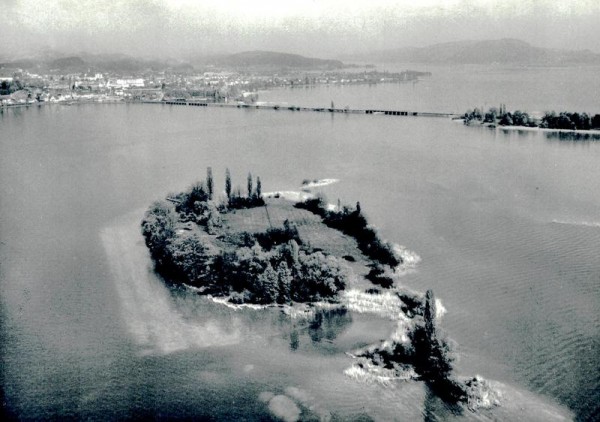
297,108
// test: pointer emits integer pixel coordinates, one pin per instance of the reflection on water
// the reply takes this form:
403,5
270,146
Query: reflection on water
571,136
436,409
323,325
86,336
531,134
294,339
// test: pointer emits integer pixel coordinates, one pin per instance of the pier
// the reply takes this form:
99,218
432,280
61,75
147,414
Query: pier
184,102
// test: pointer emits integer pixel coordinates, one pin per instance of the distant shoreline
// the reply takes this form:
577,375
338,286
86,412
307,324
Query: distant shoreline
454,117
255,106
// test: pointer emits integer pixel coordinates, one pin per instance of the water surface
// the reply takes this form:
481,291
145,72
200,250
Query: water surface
506,224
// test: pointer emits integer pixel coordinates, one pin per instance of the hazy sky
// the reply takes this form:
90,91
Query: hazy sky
321,28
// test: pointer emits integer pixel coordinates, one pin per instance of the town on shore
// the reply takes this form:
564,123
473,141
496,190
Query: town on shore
19,86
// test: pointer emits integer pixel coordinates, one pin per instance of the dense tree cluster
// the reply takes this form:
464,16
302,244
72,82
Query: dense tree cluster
158,228
283,274
551,120
499,116
194,200
378,276
428,352
565,120
472,115
238,201
8,87
351,222
265,267
517,118
432,356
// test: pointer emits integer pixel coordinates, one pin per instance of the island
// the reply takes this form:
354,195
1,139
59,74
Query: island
420,350
256,248
264,250
550,120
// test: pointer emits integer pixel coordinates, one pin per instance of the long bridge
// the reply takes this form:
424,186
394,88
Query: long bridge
192,103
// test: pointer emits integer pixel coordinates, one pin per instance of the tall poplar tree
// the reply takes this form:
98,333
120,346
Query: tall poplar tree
249,185
228,184
210,183
258,187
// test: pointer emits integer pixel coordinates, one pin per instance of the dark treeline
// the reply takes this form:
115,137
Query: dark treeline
571,121
431,355
550,120
8,87
266,267
253,199
202,192
353,223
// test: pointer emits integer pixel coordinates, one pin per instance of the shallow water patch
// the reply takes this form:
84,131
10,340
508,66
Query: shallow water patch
147,307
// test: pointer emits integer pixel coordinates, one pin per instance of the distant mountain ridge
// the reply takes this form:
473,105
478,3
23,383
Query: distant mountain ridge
93,63
272,59
83,62
502,51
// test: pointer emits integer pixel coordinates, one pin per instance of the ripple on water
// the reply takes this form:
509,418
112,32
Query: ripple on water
542,279
158,324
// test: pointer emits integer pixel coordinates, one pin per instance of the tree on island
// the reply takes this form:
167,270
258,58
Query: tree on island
491,115
209,183
249,183
227,183
267,285
426,351
190,259
235,199
520,118
432,355
258,187
284,283
439,358
158,228
506,120
474,114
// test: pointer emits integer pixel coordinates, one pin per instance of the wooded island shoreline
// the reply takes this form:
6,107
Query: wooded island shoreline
520,120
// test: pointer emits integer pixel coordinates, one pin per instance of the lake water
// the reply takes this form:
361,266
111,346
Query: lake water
457,89
507,226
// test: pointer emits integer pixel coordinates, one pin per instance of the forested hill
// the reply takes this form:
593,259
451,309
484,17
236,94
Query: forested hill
271,59
82,62
502,51
253,60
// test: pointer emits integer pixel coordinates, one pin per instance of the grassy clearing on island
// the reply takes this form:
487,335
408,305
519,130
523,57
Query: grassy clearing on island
310,227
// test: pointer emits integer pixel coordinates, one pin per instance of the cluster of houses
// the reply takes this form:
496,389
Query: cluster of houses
22,87
26,88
